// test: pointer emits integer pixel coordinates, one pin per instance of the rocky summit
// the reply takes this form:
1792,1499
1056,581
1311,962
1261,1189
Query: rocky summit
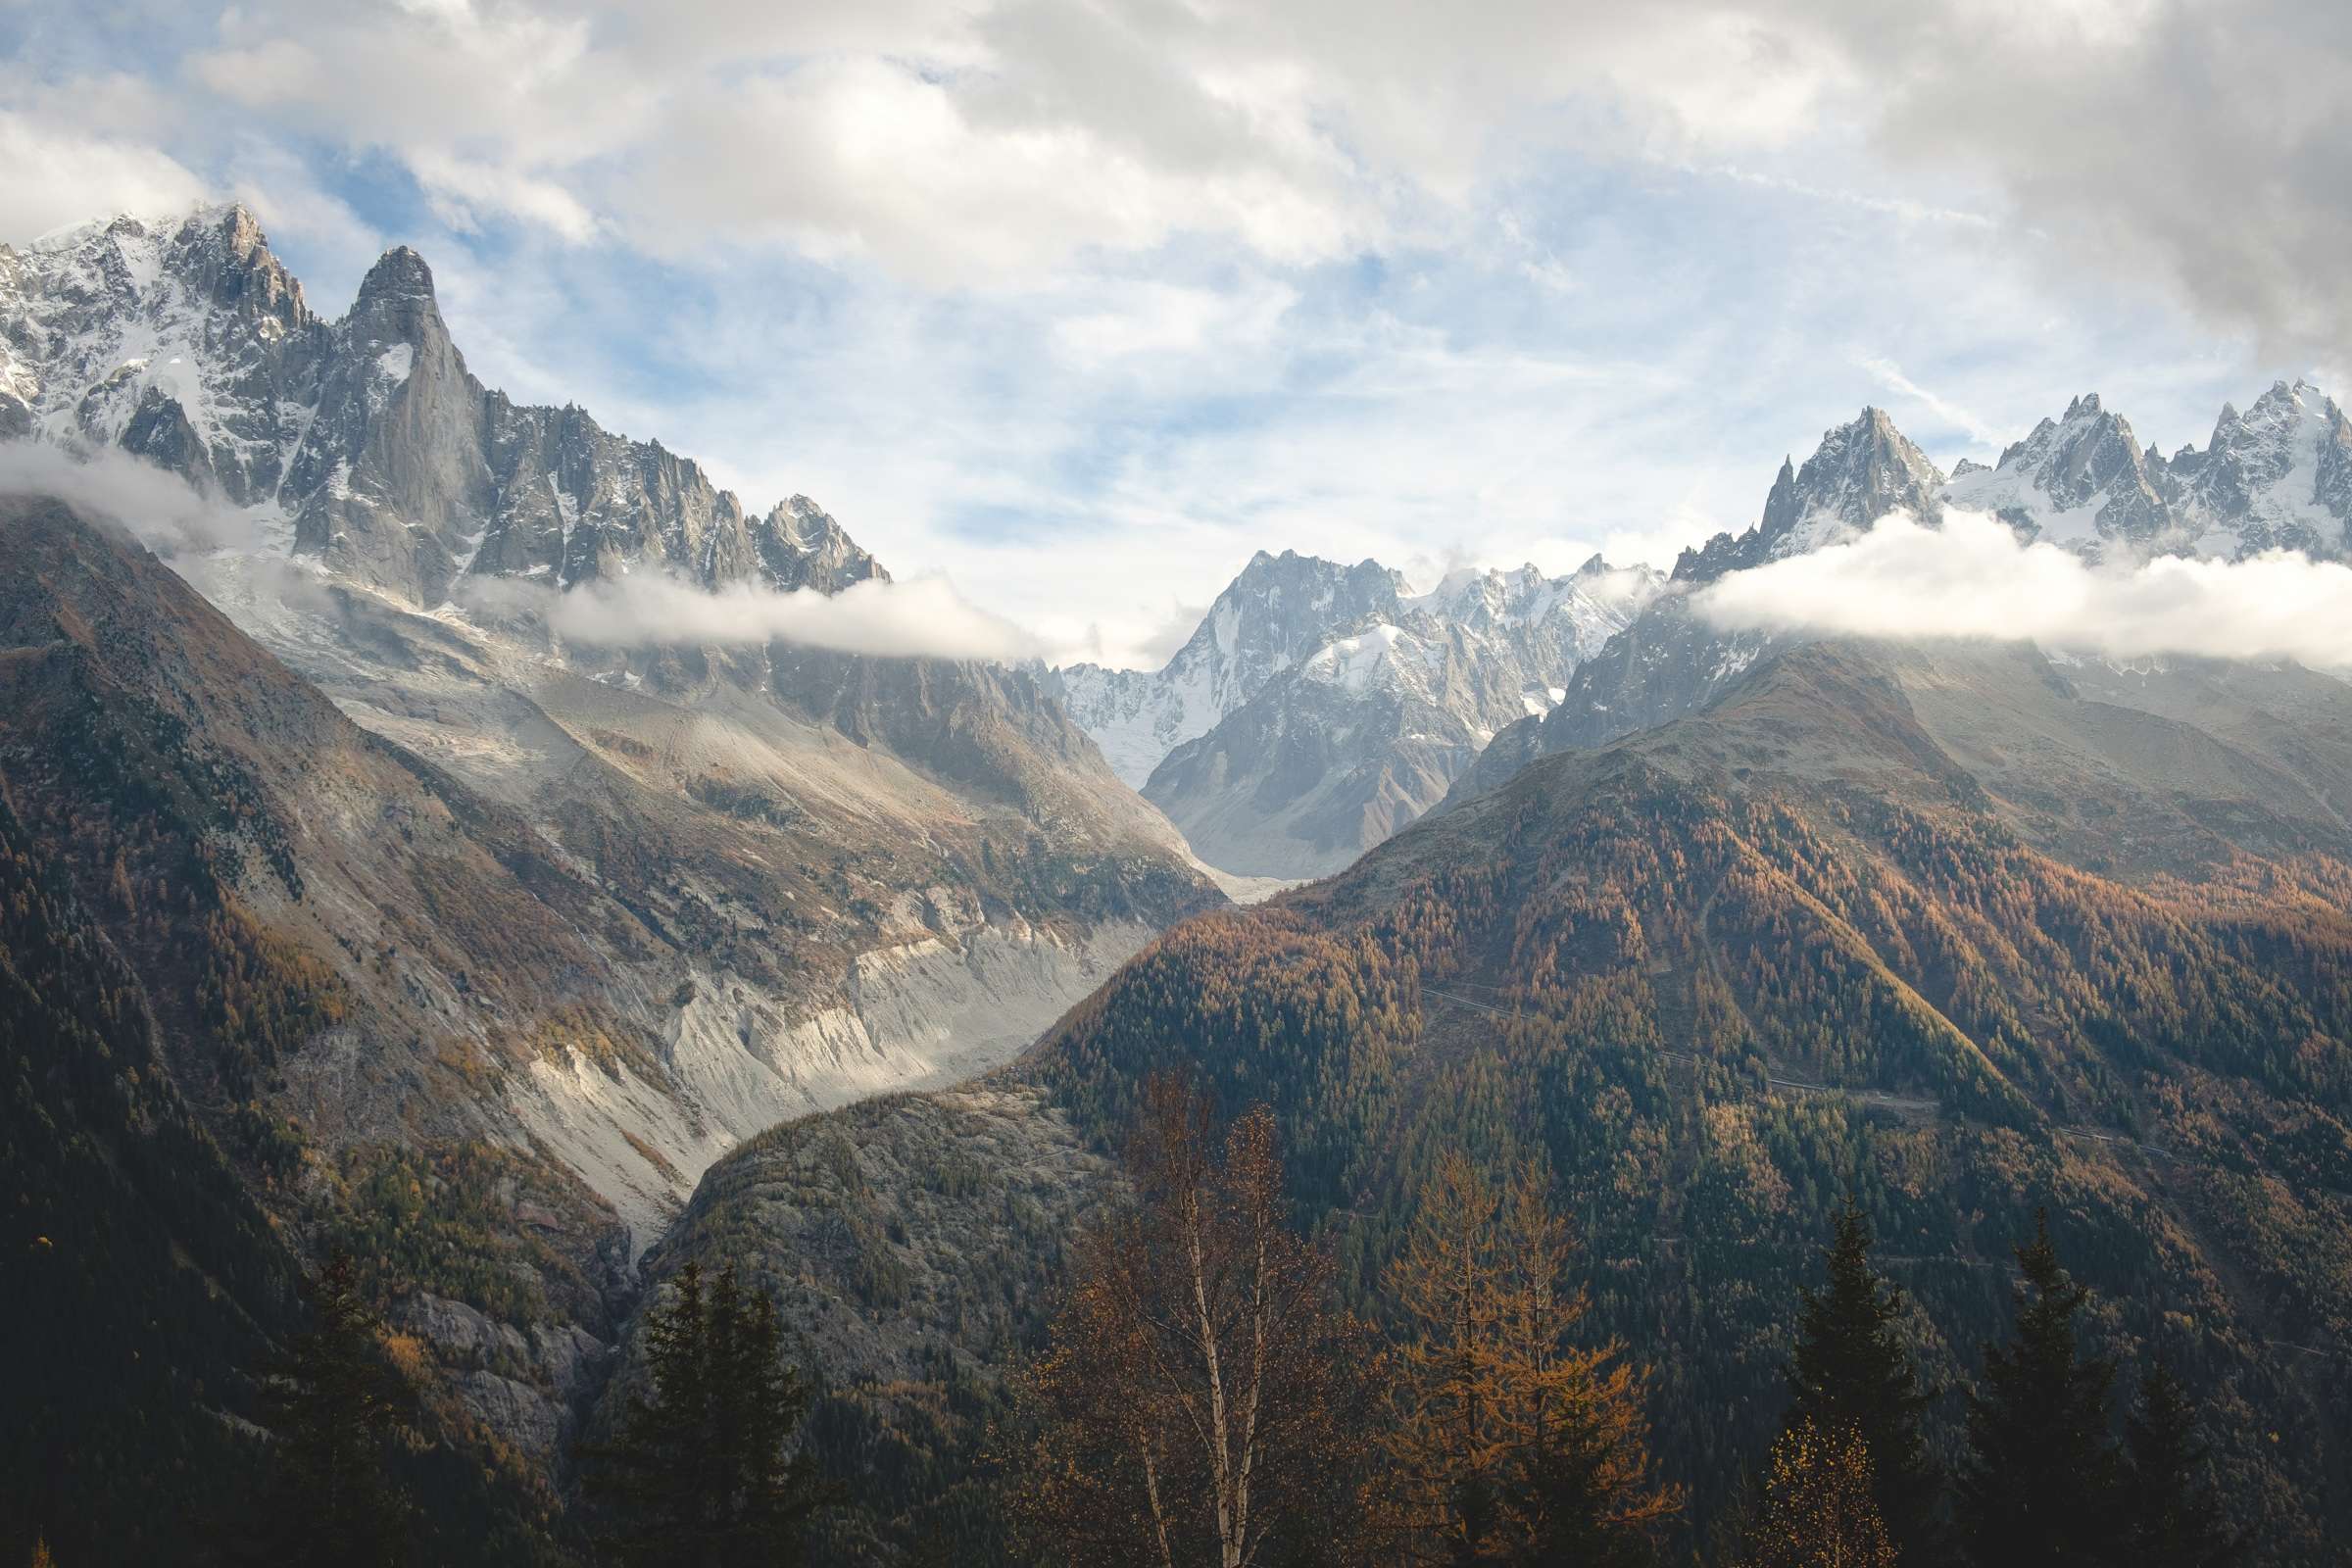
365,439
1319,707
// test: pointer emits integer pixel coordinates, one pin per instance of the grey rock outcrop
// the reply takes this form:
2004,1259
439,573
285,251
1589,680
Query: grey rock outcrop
2278,477
1320,707
191,345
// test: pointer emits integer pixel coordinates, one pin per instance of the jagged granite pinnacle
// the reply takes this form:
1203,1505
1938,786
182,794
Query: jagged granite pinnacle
189,343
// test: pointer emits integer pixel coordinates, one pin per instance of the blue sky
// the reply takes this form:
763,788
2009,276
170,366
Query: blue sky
1080,304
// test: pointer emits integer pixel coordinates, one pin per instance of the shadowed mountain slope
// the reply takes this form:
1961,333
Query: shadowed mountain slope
1941,928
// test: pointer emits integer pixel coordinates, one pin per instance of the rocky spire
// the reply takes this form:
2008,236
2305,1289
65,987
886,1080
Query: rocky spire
1861,472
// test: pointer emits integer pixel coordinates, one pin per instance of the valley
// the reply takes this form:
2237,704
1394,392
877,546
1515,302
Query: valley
365,898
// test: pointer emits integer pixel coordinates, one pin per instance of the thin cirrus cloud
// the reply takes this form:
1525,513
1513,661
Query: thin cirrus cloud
1973,577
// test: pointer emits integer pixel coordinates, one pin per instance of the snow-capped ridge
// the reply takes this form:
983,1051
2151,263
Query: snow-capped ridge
365,437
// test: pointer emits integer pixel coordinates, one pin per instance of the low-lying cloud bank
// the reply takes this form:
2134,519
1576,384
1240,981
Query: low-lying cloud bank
157,508
1973,577
921,619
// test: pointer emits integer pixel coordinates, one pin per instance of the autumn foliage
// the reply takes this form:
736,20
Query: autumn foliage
1509,1440
1202,1400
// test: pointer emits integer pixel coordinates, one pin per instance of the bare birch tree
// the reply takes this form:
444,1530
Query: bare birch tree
1200,1402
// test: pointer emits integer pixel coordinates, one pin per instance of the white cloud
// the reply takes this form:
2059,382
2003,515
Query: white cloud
1973,578
2192,144
972,142
159,509
59,175
924,617
461,189
1108,293
959,143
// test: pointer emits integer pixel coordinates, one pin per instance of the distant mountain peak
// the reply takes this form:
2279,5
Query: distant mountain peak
1319,707
1862,471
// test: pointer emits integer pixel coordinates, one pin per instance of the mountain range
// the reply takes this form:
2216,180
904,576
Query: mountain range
345,897
891,851
2278,477
1962,931
1320,708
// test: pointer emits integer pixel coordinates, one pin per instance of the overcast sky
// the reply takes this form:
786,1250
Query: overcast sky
1081,304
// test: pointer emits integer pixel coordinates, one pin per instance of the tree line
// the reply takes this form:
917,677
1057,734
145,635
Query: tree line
1204,1399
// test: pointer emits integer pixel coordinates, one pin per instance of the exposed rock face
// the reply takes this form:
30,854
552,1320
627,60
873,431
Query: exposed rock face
189,344
1319,707
2278,476
879,1224
103,326
1860,472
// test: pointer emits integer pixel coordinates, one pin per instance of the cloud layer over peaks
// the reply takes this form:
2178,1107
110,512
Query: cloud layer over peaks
1973,578
922,617
159,509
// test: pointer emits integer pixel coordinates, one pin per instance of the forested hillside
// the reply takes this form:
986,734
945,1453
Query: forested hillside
1723,975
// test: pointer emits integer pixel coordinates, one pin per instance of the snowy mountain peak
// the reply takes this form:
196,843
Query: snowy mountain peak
1278,611
188,342
2082,481
801,546
1862,471
1367,729
1324,661
2278,477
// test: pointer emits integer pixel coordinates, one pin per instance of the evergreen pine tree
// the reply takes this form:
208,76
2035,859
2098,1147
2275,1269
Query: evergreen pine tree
1852,1370
2174,1517
696,1477
332,1402
2040,1487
